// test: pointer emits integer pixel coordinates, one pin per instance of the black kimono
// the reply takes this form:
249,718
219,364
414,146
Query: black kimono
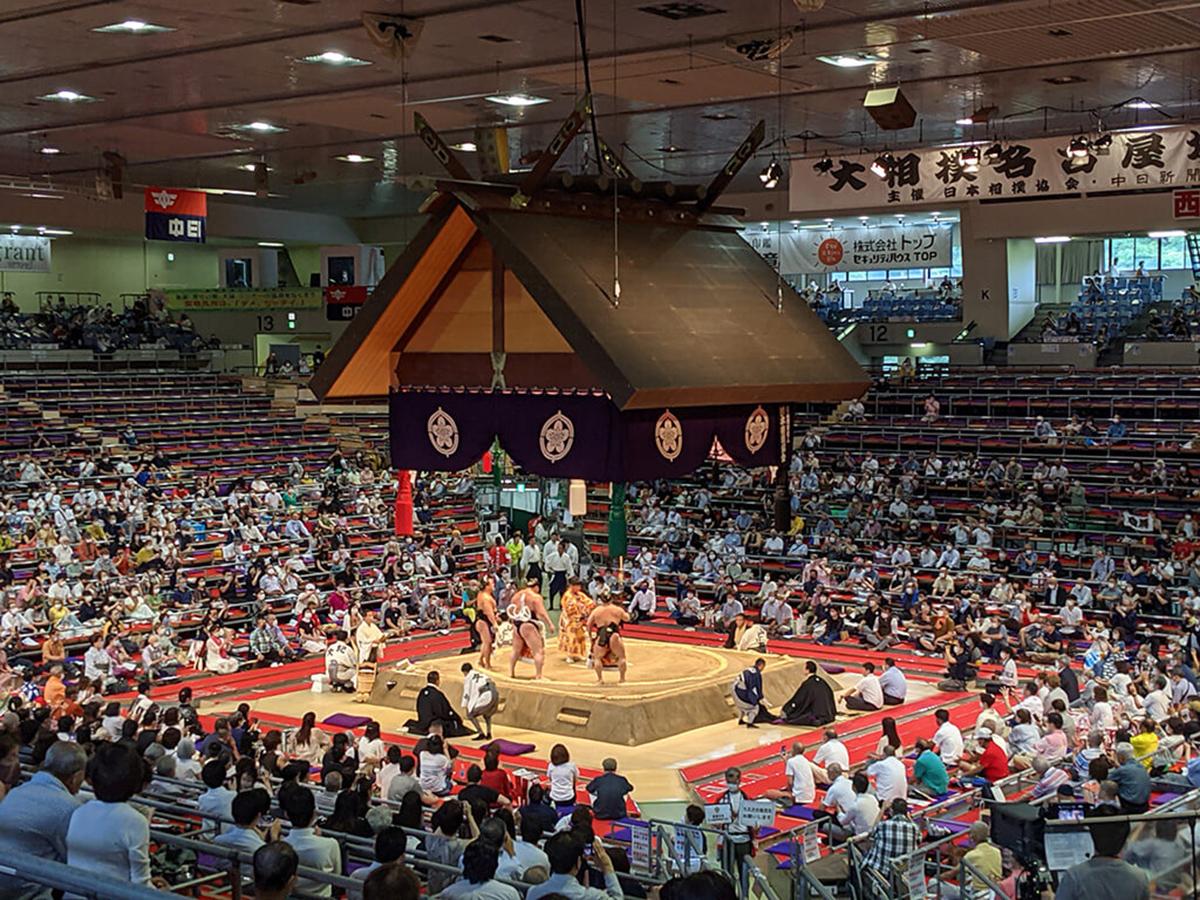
812,704
432,706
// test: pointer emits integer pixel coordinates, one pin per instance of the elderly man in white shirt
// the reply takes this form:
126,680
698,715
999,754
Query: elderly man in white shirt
801,777
832,751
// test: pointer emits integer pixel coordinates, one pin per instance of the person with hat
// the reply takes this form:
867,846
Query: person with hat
989,762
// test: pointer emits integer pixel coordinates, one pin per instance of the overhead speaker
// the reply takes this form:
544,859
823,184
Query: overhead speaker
890,109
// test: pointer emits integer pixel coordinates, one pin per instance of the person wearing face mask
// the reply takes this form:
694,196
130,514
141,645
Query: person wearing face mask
739,835
35,815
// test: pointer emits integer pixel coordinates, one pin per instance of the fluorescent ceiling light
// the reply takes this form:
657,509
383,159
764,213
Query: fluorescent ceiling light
65,95
253,167
260,127
850,60
335,58
465,146
50,151
516,100
967,121
54,232
355,158
1166,234
1143,104
1056,239
230,191
133,26
271,244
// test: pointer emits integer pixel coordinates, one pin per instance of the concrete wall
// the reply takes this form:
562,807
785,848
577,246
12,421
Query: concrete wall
1162,353
1082,355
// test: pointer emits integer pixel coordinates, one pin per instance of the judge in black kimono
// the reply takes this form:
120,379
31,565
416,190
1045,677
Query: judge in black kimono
813,703
748,695
434,708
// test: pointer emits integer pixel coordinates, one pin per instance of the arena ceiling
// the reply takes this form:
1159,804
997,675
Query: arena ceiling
669,89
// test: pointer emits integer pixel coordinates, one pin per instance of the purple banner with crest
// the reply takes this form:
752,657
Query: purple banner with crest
573,435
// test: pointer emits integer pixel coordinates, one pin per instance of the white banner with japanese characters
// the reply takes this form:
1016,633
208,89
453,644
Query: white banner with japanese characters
811,251
861,249
1134,160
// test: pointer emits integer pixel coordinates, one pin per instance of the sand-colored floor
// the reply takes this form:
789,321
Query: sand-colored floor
652,767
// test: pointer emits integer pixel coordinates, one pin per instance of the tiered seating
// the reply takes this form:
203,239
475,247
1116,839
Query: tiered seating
984,417
913,306
201,426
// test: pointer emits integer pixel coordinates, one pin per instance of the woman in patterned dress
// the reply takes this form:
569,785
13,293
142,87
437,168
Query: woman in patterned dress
573,639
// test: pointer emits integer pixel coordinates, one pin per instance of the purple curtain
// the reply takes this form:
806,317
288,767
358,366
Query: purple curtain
573,436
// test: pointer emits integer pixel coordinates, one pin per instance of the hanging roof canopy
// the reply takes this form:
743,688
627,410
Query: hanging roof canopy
698,321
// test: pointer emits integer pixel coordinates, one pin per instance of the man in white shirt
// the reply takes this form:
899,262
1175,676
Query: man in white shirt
832,751
948,740
217,801
867,695
802,784
247,833
315,850
893,683
861,816
642,604
565,853
839,799
526,854
891,778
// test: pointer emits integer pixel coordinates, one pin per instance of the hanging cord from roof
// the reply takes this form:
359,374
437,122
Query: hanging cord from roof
587,83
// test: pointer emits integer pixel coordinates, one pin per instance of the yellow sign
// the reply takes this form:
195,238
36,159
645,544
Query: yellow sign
245,298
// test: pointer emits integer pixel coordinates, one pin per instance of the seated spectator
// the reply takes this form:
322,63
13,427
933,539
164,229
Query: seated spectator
34,816
391,844
275,866
867,694
929,770
248,832
609,792
108,835
480,797
565,852
392,882
313,849
1104,874
480,860
523,860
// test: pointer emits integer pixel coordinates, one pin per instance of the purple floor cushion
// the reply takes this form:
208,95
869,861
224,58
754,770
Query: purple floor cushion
800,812
510,748
345,720
832,668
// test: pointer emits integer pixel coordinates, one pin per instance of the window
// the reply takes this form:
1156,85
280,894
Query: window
877,276
239,273
1145,250
1122,249
857,276
1173,254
